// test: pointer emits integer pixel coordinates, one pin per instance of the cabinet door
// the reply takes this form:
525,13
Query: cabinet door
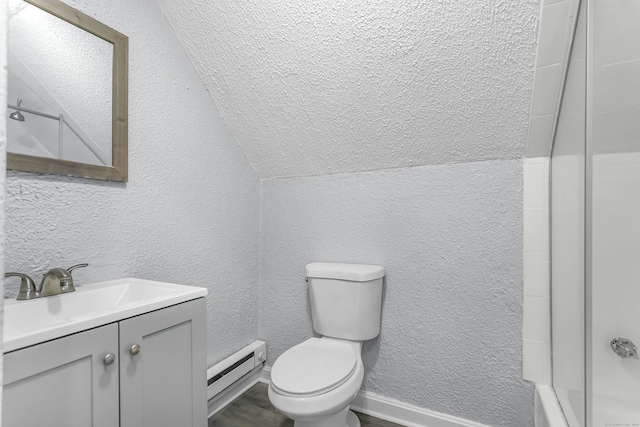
164,384
64,382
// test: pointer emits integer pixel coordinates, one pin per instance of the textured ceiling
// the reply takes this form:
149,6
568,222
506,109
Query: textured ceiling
316,87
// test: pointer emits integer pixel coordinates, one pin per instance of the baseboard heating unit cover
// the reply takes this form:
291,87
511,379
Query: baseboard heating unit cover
234,367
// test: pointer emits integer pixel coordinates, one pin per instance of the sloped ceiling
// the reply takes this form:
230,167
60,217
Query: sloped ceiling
316,87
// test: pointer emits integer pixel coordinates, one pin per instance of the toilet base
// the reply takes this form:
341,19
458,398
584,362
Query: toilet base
352,420
343,418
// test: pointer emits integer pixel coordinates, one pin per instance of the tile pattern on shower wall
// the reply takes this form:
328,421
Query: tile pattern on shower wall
554,40
616,86
536,324
616,203
567,279
616,273
567,236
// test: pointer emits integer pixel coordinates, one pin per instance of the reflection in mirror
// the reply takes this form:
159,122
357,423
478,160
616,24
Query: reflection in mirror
67,92
61,76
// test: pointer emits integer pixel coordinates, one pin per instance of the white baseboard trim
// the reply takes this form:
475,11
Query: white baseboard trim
265,375
405,414
396,411
231,393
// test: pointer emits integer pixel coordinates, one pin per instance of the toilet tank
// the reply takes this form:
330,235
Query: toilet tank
346,299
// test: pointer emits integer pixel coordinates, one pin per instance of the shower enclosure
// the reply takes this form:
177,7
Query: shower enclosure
595,220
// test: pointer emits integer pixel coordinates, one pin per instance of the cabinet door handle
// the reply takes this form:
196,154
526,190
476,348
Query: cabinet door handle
135,349
109,359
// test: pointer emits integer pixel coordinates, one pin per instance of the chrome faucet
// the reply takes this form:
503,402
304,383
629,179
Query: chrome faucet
27,287
56,281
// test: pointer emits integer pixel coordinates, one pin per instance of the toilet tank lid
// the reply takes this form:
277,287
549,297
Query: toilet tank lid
353,272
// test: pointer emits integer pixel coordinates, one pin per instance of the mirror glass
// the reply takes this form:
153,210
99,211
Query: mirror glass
60,75
67,92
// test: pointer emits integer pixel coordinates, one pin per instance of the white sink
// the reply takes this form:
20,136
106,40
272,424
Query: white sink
34,321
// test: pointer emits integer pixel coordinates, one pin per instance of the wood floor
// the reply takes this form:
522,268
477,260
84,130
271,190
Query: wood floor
253,409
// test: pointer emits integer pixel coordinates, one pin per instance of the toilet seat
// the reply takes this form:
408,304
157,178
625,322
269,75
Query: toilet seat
313,367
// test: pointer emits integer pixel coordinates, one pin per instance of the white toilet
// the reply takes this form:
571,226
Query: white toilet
314,382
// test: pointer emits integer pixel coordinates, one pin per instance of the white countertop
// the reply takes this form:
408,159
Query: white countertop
42,319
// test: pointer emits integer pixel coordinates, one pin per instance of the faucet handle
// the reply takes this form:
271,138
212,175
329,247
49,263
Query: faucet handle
73,267
624,347
67,284
27,286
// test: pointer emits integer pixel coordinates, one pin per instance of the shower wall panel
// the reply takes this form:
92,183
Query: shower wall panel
616,276
567,237
615,142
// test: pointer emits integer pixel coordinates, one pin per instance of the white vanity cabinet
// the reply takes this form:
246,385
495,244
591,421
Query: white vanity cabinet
71,381
63,382
165,383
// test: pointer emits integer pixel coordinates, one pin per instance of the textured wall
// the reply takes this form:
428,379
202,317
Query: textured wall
189,213
310,88
3,146
450,237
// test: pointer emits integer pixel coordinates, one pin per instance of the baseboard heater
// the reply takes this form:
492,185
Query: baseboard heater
234,367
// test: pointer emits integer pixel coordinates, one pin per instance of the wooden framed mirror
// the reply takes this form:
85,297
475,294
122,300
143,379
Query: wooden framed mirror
52,113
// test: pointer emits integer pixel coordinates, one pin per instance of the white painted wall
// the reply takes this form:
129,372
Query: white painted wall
450,237
311,88
3,162
189,213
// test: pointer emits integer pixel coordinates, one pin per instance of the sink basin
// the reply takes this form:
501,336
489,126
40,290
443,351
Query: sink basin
34,321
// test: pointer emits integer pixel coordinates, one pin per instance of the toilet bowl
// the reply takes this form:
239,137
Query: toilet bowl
315,382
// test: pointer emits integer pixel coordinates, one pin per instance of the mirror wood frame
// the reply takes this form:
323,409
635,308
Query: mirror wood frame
118,171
